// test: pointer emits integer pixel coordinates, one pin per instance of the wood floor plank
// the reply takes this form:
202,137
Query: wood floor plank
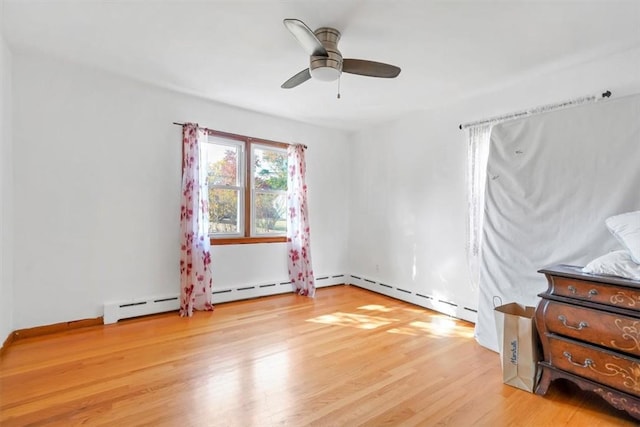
348,357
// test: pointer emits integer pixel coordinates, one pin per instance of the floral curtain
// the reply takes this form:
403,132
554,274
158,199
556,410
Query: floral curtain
298,246
195,255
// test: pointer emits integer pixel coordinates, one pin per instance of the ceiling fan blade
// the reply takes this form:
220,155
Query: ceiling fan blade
369,68
305,37
296,80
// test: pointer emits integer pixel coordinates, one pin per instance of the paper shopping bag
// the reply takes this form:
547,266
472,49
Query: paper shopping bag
518,345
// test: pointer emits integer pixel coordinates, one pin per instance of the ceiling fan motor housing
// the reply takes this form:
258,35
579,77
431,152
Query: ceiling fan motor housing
327,68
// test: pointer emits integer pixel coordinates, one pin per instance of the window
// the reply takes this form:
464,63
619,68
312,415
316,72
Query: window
247,181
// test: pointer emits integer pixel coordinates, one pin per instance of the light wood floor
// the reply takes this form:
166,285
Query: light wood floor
348,357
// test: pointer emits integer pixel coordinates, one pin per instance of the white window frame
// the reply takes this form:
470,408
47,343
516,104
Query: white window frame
254,222
239,187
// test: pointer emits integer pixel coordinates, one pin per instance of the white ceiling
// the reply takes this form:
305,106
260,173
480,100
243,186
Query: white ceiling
239,52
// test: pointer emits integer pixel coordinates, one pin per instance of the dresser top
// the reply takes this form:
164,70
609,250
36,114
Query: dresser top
575,272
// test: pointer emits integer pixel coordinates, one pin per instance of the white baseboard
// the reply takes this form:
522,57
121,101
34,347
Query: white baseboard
114,311
423,300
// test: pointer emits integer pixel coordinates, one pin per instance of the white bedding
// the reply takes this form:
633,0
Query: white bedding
616,263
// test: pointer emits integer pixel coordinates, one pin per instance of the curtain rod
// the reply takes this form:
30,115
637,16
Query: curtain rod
236,136
541,109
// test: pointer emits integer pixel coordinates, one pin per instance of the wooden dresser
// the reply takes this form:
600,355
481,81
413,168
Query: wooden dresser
589,326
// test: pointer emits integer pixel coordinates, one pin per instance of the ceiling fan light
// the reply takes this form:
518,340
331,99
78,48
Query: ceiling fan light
326,74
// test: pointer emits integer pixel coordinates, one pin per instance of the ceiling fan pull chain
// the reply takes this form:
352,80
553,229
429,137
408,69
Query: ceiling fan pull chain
338,87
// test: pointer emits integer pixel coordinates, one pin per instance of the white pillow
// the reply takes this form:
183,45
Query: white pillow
626,228
616,263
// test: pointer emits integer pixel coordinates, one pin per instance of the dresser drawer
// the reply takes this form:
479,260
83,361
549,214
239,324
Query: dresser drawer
596,292
613,370
615,331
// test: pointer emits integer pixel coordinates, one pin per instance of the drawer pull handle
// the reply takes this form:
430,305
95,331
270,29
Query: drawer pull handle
587,362
591,293
580,326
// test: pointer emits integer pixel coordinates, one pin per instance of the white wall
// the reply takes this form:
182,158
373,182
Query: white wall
97,183
6,192
408,210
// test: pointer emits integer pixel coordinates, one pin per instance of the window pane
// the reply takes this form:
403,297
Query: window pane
270,169
270,213
223,211
222,164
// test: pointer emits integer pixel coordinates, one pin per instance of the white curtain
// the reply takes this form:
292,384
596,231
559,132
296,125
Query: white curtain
477,154
552,180
478,143
195,254
298,232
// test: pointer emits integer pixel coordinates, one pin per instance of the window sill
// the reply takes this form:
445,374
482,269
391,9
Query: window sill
247,240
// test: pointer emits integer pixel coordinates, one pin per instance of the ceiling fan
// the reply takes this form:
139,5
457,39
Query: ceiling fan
325,60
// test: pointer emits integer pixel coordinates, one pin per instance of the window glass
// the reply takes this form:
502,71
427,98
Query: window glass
269,190
270,213
224,163
270,169
224,211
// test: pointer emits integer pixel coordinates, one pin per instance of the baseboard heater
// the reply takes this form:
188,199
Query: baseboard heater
427,301
114,311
